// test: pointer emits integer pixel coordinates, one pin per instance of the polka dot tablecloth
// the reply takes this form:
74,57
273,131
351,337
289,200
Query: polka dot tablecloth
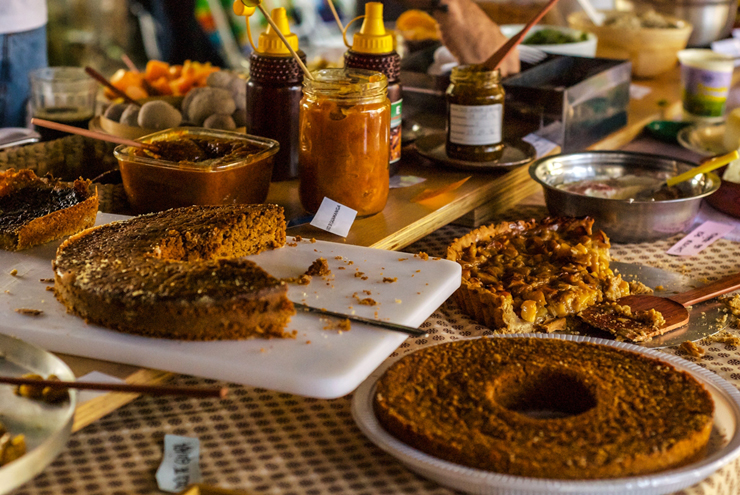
265,442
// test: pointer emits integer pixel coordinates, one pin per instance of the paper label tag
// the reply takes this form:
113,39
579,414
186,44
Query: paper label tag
476,124
699,238
728,46
638,92
541,145
95,377
395,139
180,466
398,181
334,217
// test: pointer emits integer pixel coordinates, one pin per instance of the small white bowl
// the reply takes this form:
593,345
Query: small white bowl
585,48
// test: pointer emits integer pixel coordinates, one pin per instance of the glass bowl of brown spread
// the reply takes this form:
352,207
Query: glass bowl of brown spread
196,166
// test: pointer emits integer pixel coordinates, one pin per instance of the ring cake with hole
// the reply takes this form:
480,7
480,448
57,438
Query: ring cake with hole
176,274
545,408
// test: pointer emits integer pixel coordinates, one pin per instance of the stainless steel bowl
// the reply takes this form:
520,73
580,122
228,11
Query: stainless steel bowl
622,220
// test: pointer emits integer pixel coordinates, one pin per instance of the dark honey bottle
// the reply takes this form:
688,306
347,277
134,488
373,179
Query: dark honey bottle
274,92
372,49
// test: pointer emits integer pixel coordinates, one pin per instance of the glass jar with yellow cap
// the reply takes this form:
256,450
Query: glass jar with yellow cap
344,136
274,91
373,48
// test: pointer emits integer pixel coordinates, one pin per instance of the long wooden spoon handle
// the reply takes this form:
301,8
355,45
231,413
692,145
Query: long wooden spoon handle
219,392
84,132
494,61
102,80
709,291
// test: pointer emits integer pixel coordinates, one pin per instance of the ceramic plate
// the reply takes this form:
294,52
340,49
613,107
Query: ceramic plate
705,139
724,445
45,426
516,154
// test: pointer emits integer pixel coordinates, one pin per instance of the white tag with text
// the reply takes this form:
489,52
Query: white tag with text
541,145
699,238
334,217
638,92
180,466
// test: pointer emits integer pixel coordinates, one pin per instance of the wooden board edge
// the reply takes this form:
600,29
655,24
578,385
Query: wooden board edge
94,409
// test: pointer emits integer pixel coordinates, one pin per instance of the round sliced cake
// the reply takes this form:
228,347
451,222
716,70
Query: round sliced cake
177,274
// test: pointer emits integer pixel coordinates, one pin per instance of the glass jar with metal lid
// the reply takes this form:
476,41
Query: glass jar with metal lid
344,140
475,114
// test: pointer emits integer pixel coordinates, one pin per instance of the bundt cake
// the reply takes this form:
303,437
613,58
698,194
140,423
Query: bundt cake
545,408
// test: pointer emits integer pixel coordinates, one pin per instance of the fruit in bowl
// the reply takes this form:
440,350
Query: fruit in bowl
160,78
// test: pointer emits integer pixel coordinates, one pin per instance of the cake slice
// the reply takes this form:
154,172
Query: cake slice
35,210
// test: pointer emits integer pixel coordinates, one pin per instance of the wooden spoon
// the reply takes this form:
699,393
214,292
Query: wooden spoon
672,308
105,82
494,61
93,134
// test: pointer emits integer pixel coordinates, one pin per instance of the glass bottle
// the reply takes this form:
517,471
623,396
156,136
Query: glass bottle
373,49
274,92
344,140
475,114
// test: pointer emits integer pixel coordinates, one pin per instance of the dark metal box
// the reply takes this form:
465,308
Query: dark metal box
573,101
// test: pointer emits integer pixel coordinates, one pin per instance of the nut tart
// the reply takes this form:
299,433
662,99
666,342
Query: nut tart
530,276
36,210
177,274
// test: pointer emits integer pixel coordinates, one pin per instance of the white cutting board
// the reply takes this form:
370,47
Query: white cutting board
317,363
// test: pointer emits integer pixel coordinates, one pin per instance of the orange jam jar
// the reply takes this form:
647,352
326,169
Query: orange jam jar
344,140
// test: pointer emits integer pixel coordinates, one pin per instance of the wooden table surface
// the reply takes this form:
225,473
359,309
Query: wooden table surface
403,222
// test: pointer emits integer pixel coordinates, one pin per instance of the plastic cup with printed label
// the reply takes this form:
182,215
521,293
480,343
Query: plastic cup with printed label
706,77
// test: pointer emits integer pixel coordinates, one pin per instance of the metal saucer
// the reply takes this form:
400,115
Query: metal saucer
46,427
516,154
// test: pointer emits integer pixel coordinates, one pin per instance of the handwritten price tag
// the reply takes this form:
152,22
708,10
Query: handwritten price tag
180,466
541,145
700,238
334,217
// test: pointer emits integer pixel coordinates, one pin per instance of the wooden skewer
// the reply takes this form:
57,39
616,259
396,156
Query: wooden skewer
336,16
156,390
285,41
91,134
129,63
102,80
494,61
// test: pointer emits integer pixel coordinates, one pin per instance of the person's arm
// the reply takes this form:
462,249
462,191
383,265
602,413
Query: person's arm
471,36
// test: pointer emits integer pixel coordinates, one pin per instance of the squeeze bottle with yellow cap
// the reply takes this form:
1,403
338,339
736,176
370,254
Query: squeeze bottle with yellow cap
274,92
373,49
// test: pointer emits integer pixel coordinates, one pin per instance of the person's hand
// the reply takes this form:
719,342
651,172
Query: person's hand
471,36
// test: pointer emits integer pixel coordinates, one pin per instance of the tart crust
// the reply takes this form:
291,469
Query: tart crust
525,276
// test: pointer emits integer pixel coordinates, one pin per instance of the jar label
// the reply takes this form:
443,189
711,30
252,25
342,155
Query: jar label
476,124
395,131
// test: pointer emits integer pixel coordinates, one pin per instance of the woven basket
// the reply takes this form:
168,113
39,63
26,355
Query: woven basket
70,158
